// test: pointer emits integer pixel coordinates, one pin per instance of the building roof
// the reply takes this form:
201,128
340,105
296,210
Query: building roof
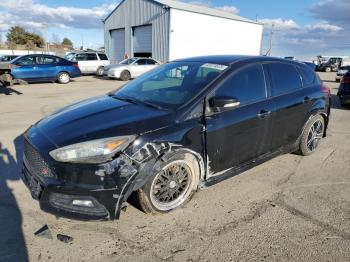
195,9
202,10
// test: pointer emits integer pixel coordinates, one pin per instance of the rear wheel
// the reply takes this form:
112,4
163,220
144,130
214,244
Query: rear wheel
312,135
100,71
328,69
125,75
63,78
172,187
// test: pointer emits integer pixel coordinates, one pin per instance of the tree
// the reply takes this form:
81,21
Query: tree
30,45
17,35
12,46
20,36
67,41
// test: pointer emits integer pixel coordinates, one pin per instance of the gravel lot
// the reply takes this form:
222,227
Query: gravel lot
291,208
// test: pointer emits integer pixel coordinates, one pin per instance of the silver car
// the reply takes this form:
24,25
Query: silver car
130,68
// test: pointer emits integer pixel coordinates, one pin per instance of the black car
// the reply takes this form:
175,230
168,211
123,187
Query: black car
344,89
181,127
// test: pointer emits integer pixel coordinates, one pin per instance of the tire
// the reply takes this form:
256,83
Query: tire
125,75
63,78
100,71
311,136
328,69
172,187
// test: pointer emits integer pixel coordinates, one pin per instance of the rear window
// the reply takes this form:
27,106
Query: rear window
103,56
308,76
284,77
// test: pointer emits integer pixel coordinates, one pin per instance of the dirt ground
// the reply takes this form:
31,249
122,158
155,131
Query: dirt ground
291,208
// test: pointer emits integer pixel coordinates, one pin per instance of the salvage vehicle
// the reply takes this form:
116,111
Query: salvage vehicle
130,68
181,127
331,64
341,72
344,90
7,58
89,62
39,68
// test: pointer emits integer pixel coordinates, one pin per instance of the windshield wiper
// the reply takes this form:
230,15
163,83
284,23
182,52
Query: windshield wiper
138,102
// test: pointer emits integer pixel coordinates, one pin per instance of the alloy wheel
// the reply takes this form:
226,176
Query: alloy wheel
171,186
315,135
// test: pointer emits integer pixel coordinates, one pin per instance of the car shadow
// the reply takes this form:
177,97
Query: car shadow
12,242
9,90
336,103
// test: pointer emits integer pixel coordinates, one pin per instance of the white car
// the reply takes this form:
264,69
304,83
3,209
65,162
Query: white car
89,62
130,68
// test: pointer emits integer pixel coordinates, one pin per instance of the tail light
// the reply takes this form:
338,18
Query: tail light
76,65
345,80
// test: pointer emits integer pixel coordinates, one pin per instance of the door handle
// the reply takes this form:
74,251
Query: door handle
264,113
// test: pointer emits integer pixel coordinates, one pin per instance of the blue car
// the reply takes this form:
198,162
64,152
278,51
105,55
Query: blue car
42,68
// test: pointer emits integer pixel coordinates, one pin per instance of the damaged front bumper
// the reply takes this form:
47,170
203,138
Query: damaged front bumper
81,192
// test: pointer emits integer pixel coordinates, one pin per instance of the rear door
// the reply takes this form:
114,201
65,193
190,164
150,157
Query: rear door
82,59
241,134
48,67
292,103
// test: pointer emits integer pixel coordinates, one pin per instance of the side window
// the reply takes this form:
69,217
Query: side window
81,57
141,62
284,77
27,60
307,75
247,85
206,74
151,62
92,57
103,57
50,60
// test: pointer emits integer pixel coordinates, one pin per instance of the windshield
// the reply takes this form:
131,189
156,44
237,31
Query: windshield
171,85
128,61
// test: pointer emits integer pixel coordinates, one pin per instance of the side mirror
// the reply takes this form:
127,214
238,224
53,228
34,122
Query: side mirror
222,103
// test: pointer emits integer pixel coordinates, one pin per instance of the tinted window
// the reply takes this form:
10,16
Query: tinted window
307,75
91,57
284,77
103,56
142,62
247,85
151,62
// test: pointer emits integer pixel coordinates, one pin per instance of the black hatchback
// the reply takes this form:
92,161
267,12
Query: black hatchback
179,128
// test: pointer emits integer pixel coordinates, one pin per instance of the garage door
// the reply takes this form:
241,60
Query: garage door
142,40
117,47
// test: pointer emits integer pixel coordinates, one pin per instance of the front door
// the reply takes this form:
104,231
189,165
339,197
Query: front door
26,69
241,134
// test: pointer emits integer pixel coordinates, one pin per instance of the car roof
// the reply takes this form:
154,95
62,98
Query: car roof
230,59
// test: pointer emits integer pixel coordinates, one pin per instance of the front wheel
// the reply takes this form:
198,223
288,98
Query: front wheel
328,69
63,78
172,187
311,136
125,75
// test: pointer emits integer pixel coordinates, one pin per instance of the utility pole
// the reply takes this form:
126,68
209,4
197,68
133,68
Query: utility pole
271,39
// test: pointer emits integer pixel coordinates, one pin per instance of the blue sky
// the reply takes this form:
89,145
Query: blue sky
304,28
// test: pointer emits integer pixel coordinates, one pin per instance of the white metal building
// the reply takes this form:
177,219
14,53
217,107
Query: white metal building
168,30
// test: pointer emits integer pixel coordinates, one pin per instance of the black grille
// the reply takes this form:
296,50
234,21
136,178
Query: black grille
34,161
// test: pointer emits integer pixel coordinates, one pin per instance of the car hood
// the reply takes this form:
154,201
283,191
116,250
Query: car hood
100,117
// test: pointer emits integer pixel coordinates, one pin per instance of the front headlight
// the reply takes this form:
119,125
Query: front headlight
92,152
